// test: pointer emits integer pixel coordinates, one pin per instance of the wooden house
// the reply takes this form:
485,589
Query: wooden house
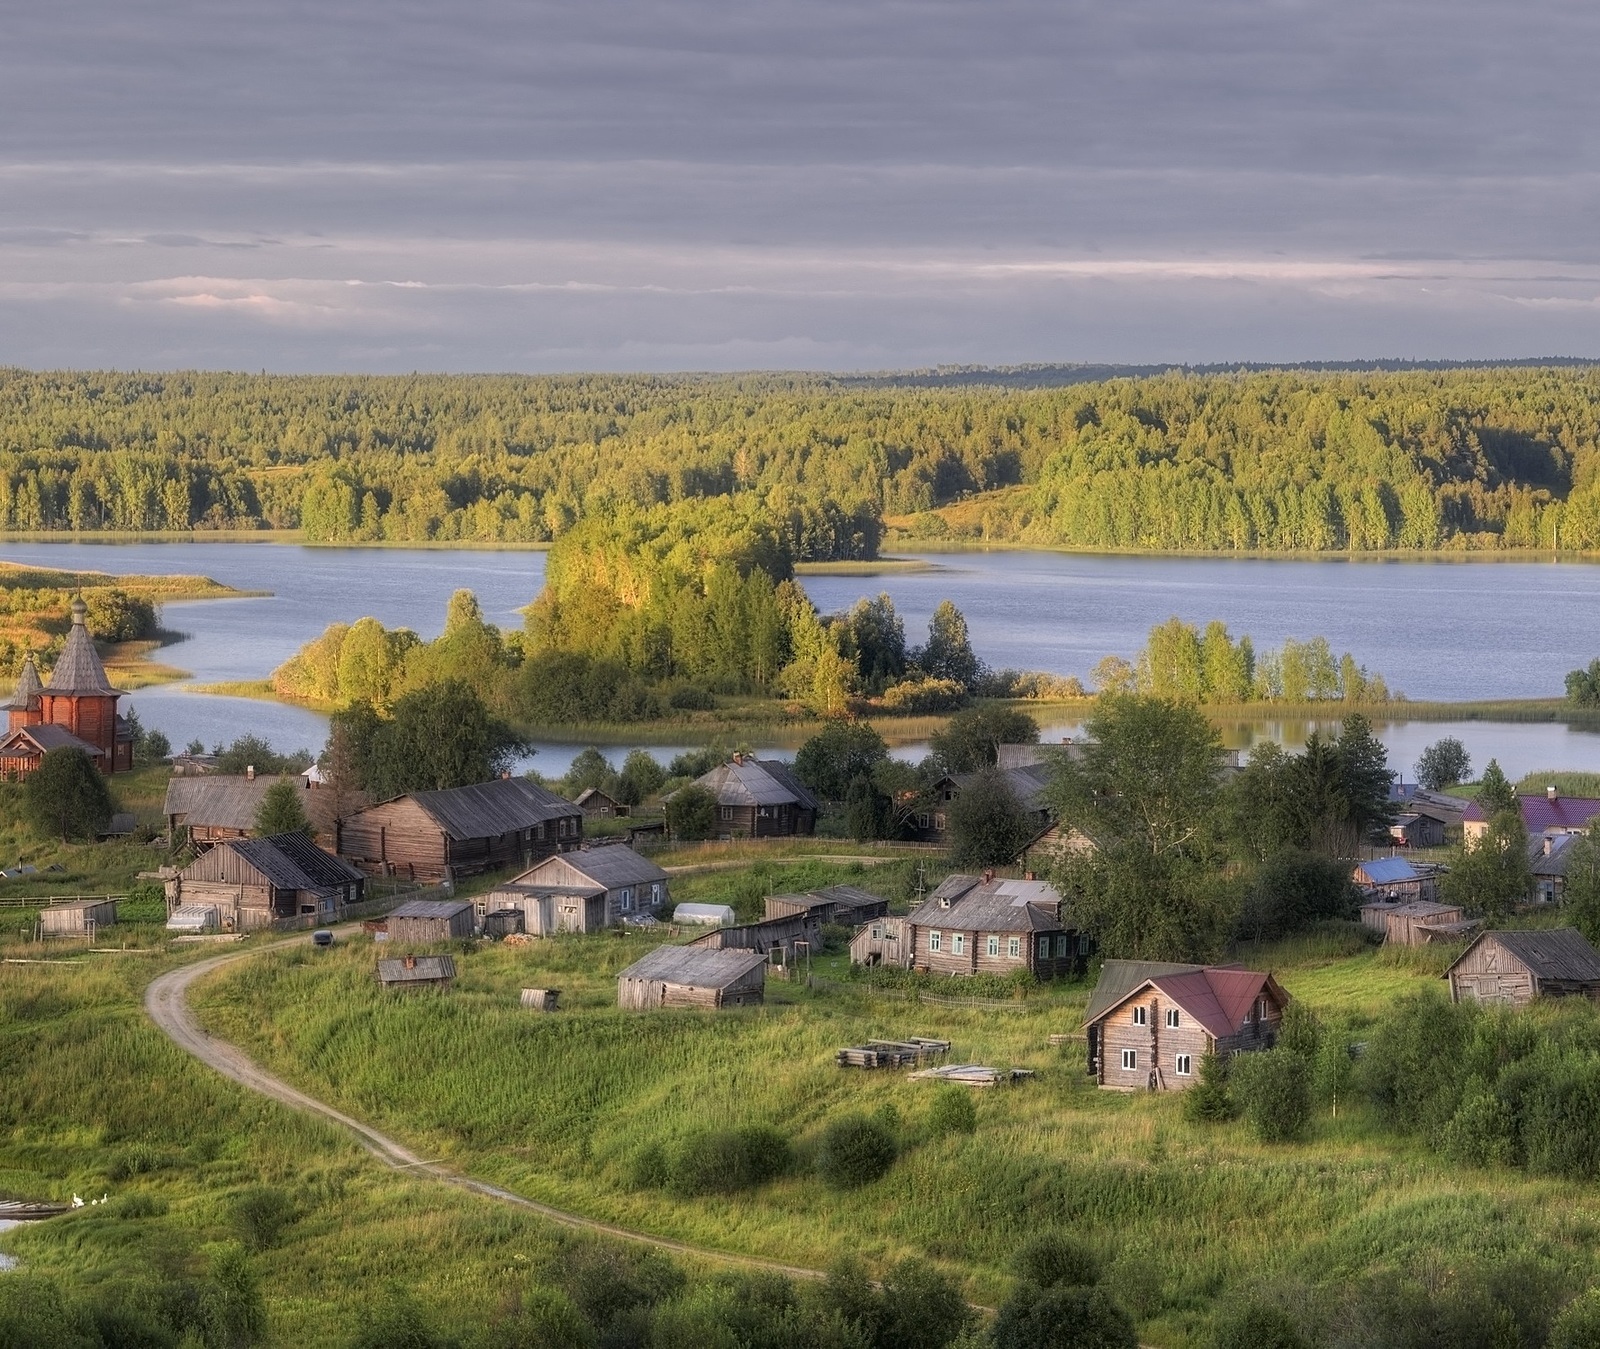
882,941
413,972
219,807
693,976
1516,967
759,798
583,891
256,881
1549,811
1413,829
76,708
419,922
460,831
78,917
841,905
596,804
1396,878
1549,857
779,939
1028,777
1149,1024
990,925
1416,922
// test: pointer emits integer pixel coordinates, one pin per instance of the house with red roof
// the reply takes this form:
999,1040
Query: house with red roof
1150,1023
1550,813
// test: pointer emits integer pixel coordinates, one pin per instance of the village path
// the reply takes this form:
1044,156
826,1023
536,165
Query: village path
166,1000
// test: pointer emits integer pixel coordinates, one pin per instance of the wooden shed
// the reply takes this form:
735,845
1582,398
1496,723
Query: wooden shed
883,941
255,881
1516,967
779,939
583,891
416,972
841,904
462,831
1415,922
693,976
599,805
1396,878
420,921
78,917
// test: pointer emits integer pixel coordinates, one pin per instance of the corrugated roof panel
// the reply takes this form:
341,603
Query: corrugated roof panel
698,966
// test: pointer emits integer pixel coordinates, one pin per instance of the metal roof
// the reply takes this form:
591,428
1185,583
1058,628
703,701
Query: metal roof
608,867
25,695
490,809
431,908
989,909
1388,870
1217,996
1555,953
293,862
1557,859
1539,812
697,966
840,897
756,782
47,738
221,801
1118,978
78,668
193,918
419,970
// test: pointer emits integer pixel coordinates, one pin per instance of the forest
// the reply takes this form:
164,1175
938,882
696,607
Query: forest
1268,461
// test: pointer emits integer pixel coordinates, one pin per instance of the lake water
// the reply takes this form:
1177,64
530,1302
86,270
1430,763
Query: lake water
1437,630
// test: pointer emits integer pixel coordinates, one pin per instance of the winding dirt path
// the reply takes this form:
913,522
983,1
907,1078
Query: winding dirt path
166,1000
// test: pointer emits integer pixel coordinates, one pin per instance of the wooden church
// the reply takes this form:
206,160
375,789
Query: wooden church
75,709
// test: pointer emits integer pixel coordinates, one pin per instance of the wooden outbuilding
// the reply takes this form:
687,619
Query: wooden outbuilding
583,891
1150,1023
1514,968
779,939
461,831
416,972
995,925
1396,878
693,976
843,905
220,807
256,881
596,804
419,922
883,941
1415,923
78,917
1417,830
759,798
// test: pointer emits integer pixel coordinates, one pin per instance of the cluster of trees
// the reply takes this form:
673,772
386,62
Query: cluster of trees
1272,461
1179,661
1583,686
40,617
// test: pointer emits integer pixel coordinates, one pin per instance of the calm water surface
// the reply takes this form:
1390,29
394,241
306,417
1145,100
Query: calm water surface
1437,630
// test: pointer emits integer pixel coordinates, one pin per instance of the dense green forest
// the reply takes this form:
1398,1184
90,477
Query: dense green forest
1291,460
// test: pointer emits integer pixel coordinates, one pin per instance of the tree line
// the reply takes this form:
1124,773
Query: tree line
1271,461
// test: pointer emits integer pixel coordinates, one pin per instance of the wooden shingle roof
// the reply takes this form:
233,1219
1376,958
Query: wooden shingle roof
220,801
1561,954
696,966
78,670
492,809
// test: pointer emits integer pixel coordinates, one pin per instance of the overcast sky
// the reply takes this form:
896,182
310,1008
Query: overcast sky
697,184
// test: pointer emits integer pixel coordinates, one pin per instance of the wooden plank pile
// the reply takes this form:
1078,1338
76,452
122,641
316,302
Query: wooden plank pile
892,1053
975,1074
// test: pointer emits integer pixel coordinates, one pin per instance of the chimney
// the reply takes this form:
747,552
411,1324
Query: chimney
988,875
1029,876
250,773
1547,842
738,758
505,775
410,962
1550,792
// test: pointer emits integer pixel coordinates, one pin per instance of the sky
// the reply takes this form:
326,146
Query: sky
512,185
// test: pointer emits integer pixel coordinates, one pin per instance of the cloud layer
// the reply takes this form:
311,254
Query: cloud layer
700,185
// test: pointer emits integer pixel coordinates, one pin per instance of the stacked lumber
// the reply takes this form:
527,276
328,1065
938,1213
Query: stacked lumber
975,1074
892,1053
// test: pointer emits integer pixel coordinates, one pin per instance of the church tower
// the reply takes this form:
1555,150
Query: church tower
79,698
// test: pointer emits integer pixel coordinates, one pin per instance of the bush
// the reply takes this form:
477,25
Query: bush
725,1161
855,1151
260,1216
691,698
1257,1326
1063,1318
692,814
1055,1260
923,697
1274,1090
952,1112
1578,1325
67,796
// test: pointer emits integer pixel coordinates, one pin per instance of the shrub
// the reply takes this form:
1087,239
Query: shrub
1063,1318
922,1308
952,1112
724,1161
923,697
1055,1260
281,811
1274,1089
260,1215
66,795
1257,1326
691,698
1209,1101
692,814
1578,1325
855,1151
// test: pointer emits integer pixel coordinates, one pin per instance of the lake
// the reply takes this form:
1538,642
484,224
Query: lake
1436,630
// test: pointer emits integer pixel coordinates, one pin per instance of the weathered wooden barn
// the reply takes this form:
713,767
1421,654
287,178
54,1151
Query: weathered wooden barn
596,804
583,891
759,798
78,917
256,881
995,925
779,939
1415,922
882,941
219,807
461,831
419,922
1516,967
1396,878
843,905
1150,1023
415,972
1414,829
693,976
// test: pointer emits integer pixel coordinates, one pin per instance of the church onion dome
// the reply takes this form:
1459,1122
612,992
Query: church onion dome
79,670
25,697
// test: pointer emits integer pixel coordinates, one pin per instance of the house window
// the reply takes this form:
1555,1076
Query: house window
1061,945
935,941
1172,1018
727,812
626,900
1044,948
1130,1060
1014,948
1083,944
958,943
922,819
1141,1016
655,892
938,820
1263,1007
877,934
994,945
1183,1065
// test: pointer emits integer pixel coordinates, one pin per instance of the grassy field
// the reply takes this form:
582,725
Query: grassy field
561,1107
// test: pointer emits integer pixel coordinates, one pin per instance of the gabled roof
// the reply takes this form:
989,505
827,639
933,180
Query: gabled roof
1028,783
431,908
221,801
1561,953
44,739
490,809
25,696
698,966
78,669
1559,857
1118,978
999,905
1539,812
839,897
592,794
756,782
292,862
1217,996
608,867
1389,870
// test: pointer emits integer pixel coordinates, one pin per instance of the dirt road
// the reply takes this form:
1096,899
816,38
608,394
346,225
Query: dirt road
166,1000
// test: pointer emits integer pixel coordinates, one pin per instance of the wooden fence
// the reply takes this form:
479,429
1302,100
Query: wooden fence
49,901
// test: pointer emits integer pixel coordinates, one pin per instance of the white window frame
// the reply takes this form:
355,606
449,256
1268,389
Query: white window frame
1183,1066
958,943
1173,1019
1141,1015
935,941
1044,948
625,899
993,945
877,934
1263,1009
1014,948
1061,945
1130,1060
